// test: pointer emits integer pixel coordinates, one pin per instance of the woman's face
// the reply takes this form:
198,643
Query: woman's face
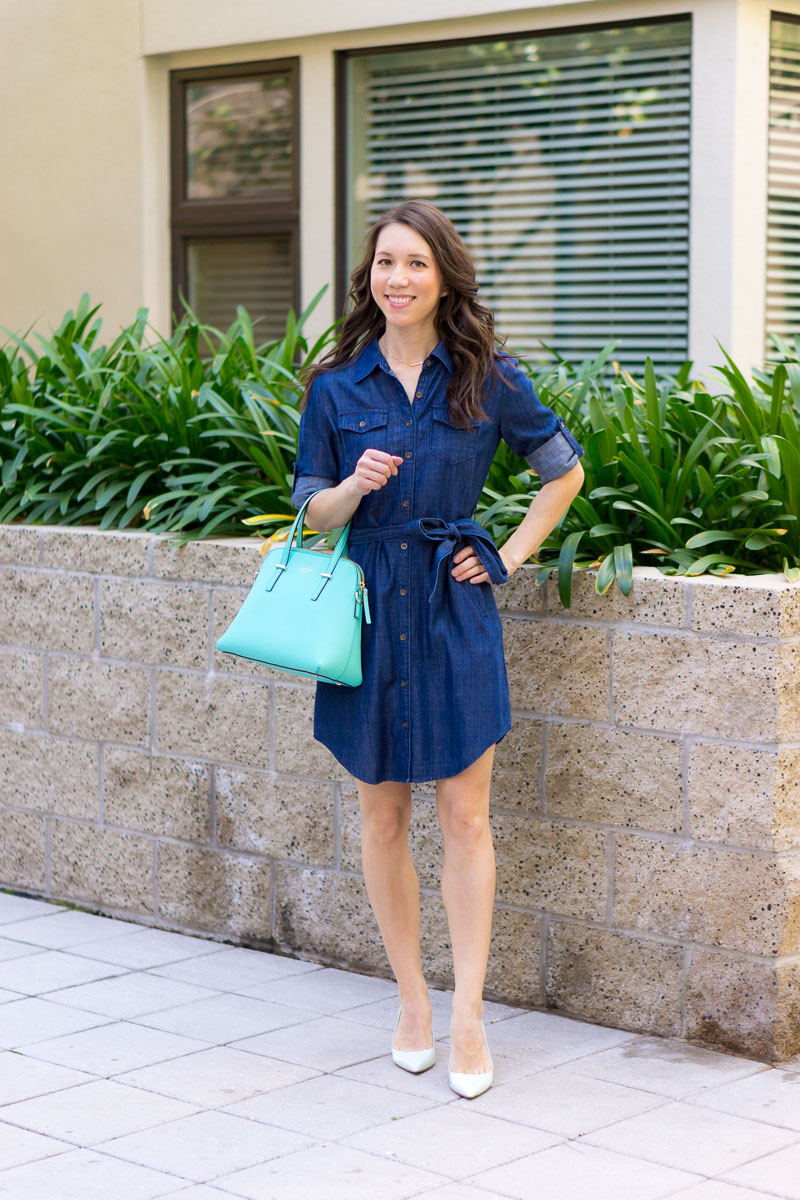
405,279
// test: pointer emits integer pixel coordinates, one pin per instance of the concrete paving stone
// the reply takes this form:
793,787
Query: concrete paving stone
666,1066
48,970
225,1018
129,995
11,949
70,927
453,1140
148,948
715,1189
109,1049
218,1076
327,990
550,1040
206,1145
31,1019
24,1145
560,1101
776,1174
328,1107
20,908
770,1096
21,1077
575,1171
235,968
83,1175
692,1138
333,1171
459,1191
94,1112
429,1085
327,1043
204,1191
382,1014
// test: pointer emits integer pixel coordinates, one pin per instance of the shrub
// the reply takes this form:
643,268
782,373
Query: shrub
195,435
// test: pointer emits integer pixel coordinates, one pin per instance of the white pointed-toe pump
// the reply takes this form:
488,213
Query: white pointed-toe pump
412,1060
472,1084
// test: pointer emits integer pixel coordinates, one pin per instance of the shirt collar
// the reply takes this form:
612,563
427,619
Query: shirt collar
371,357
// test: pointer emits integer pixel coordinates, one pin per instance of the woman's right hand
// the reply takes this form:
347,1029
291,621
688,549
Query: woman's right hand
374,470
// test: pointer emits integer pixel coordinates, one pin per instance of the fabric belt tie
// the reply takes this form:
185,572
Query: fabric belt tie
448,534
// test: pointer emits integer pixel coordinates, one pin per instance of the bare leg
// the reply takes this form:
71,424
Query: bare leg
393,890
468,882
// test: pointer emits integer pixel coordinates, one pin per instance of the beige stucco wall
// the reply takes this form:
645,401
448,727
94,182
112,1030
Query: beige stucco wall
84,93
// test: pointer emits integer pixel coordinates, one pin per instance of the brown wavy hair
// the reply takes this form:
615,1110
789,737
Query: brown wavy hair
464,324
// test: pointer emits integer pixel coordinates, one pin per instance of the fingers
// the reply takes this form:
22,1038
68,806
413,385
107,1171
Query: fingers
375,468
470,567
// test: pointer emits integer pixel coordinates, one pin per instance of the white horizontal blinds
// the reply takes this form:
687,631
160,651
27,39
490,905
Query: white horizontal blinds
783,206
563,159
254,272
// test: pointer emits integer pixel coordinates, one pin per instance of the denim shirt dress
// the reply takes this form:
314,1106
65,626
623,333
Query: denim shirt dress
434,694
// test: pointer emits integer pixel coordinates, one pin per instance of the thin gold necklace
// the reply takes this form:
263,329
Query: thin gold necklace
400,360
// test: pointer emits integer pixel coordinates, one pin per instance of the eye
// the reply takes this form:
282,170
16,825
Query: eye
418,263
381,262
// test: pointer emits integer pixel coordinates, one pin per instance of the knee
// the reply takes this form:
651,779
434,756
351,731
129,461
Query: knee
385,827
466,825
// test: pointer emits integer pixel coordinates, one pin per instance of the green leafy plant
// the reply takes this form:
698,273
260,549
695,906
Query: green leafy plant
693,482
182,434
195,435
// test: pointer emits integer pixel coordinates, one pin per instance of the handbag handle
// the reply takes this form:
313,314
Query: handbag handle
297,528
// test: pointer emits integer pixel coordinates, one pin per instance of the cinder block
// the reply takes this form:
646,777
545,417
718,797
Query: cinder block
557,669
551,866
47,611
49,774
216,890
101,866
615,979
750,1007
93,699
157,795
278,818
212,717
154,623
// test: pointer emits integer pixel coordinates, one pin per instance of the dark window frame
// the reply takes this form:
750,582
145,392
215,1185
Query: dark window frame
234,216
341,57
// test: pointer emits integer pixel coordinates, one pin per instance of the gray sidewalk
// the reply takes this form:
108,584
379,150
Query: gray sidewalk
138,1063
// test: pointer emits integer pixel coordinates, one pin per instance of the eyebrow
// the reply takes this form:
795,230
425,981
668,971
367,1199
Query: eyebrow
387,254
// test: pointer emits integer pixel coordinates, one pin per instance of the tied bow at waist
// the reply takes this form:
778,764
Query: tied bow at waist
448,534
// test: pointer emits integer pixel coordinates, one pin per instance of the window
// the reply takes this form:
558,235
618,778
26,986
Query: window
235,194
563,160
783,188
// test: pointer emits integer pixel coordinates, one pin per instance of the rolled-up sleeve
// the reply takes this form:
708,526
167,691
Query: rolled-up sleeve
316,465
531,429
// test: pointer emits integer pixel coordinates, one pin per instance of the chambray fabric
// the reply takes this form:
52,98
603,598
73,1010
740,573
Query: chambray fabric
435,694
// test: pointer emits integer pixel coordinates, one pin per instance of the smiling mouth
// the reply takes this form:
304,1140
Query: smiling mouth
399,301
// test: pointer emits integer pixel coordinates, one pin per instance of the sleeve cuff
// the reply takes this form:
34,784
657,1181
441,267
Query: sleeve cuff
306,484
556,456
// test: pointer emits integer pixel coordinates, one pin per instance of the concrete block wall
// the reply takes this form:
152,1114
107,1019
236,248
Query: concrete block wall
645,807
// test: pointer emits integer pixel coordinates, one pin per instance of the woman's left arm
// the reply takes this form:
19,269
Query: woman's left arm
547,508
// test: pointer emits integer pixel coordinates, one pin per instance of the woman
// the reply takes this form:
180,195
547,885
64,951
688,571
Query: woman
400,425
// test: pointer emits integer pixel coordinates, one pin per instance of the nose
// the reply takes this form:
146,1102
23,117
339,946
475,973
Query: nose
398,278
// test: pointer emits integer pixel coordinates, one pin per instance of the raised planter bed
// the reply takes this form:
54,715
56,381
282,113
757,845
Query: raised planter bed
645,807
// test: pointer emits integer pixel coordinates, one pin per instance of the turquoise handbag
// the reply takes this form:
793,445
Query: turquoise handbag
303,613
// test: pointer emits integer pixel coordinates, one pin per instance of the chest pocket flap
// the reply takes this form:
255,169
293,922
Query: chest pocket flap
363,429
450,442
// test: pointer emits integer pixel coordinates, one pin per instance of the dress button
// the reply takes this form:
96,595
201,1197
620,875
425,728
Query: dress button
405,504
405,724
408,454
402,591
402,637
427,362
362,423
402,683
404,545
408,422
419,395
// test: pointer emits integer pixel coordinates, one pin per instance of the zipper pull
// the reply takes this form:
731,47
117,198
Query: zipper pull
363,600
